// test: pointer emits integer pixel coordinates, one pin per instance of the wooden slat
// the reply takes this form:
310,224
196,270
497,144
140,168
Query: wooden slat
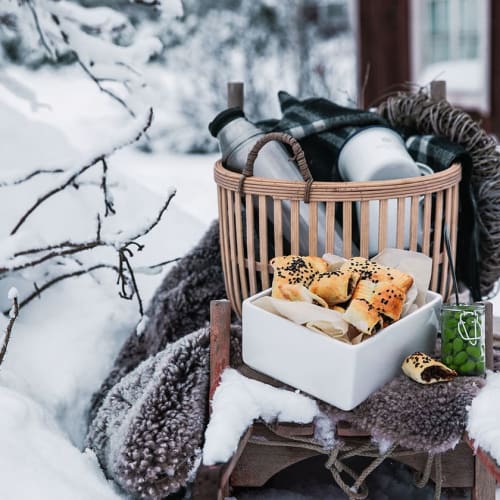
252,275
414,220
278,228
238,215
264,276
426,225
220,338
436,253
347,228
313,228
364,232
294,228
232,248
484,480
224,237
400,227
382,224
445,274
330,227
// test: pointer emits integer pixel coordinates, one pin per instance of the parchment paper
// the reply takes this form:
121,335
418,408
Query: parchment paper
331,322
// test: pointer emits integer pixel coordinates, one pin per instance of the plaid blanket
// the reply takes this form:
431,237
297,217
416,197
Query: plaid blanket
439,153
322,128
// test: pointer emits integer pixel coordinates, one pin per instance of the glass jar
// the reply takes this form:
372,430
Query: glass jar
463,338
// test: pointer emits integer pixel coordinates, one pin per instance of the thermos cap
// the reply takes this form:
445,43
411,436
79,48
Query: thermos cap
223,118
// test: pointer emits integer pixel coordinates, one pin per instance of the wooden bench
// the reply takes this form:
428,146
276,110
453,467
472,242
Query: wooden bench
254,462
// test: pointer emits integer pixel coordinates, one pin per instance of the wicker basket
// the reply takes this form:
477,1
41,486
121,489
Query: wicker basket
245,203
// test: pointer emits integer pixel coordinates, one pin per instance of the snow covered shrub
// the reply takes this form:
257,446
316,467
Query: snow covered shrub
59,220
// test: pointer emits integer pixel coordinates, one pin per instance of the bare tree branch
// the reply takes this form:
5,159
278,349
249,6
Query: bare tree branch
103,89
126,275
13,313
71,179
57,252
147,229
52,53
29,176
39,289
108,202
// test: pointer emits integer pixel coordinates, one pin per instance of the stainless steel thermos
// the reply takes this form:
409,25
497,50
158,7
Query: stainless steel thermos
237,136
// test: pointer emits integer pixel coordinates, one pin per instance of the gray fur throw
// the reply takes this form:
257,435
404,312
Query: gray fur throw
148,432
180,306
428,418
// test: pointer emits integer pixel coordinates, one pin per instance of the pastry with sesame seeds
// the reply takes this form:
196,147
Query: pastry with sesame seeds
295,270
376,272
299,293
363,316
336,287
387,298
423,369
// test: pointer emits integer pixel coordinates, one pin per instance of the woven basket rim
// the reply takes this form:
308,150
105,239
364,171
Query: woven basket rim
339,190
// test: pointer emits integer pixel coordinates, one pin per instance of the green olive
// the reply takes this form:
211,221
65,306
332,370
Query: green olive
460,358
467,368
446,348
458,345
474,352
448,360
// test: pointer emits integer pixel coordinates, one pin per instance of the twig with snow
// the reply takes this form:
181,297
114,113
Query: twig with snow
27,177
73,175
108,201
13,313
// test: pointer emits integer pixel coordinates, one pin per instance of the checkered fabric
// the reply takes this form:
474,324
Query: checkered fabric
322,128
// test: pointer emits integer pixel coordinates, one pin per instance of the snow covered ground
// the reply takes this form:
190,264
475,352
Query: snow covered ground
64,343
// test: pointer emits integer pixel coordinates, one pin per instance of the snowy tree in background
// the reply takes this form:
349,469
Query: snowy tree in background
101,42
303,46
99,39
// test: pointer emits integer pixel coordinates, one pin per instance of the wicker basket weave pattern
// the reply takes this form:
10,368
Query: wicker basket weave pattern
249,240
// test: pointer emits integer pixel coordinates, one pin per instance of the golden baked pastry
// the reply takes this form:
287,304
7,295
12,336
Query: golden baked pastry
426,370
363,316
299,293
396,277
387,298
336,287
376,272
295,270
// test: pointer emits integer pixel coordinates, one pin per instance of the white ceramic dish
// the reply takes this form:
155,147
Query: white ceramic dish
340,374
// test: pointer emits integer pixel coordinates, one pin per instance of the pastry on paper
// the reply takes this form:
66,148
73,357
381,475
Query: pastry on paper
387,298
299,293
360,265
336,287
328,328
423,369
363,316
295,270
376,272
398,278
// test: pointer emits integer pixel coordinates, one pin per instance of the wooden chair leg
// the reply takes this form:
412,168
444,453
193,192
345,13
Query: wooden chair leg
220,341
212,481
484,482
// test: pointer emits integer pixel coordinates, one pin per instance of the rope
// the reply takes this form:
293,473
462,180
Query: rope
342,451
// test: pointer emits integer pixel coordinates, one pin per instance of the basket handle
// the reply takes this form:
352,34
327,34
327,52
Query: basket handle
298,156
